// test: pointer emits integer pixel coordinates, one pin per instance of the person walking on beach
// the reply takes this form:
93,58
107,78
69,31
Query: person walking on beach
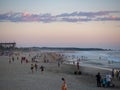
64,85
98,78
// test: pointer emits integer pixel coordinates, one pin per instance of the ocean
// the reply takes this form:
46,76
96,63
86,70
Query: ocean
100,59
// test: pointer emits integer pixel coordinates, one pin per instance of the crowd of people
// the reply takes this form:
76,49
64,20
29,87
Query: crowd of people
102,81
34,66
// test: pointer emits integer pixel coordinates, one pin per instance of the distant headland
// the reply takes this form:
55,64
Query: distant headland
13,46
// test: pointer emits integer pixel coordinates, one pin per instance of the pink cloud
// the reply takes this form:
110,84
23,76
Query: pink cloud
26,14
113,17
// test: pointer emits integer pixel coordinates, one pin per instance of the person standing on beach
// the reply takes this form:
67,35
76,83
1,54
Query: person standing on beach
9,59
78,66
58,64
42,68
17,58
12,58
36,67
108,79
98,78
112,73
64,85
32,67
119,75
116,74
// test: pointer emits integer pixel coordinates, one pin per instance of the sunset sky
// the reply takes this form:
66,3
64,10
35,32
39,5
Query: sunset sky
61,23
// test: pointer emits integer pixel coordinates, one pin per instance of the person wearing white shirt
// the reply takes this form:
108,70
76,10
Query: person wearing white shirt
108,79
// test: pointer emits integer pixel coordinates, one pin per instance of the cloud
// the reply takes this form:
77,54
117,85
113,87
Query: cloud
108,18
64,17
26,14
75,19
87,14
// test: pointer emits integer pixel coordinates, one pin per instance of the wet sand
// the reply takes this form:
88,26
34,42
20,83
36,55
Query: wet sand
17,76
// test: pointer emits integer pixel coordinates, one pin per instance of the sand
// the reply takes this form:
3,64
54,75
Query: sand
17,76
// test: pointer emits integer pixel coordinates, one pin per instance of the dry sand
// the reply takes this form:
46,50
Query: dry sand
17,76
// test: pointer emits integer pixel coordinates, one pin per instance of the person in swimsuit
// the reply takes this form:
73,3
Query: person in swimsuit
64,85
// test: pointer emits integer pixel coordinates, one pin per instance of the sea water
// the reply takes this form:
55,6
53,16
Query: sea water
107,59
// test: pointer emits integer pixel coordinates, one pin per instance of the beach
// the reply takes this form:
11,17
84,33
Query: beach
18,76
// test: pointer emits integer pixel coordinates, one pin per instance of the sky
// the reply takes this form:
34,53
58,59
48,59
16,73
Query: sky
61,23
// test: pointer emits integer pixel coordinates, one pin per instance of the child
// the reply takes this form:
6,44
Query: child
104,83
64,85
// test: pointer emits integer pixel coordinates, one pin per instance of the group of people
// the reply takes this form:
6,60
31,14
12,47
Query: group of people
116,74
35,67
24,59
12,57
105,81
16,56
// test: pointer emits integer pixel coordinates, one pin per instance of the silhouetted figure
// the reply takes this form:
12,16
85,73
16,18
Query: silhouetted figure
98,78
26,60
119,75
32,67
42,68
13,59
113,74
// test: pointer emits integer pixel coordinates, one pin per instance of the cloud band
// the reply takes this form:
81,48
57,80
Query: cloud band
64,17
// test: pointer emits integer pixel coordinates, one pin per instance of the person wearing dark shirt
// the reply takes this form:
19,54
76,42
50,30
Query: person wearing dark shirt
98,78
